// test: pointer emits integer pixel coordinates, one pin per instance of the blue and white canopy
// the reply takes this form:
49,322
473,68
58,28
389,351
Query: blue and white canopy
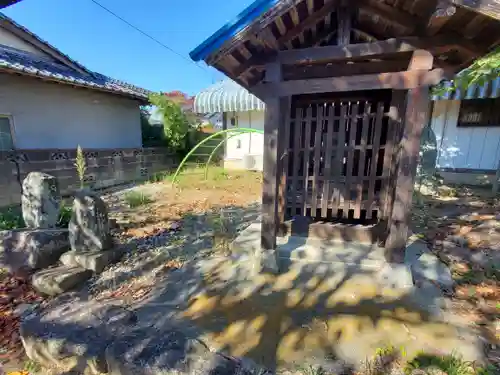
226,96
490,90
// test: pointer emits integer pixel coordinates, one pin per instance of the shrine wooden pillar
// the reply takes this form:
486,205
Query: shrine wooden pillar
414,117
273,178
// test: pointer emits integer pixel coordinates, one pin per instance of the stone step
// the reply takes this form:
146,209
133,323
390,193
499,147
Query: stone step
329,251
95,261
57,280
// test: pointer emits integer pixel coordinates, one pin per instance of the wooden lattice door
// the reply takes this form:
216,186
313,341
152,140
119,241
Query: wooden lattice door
338,157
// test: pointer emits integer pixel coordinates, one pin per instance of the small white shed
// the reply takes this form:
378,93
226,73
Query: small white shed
240,109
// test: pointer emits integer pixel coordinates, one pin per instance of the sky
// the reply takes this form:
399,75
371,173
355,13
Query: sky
102,43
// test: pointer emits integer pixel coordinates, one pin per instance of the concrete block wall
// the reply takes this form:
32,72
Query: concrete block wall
105,168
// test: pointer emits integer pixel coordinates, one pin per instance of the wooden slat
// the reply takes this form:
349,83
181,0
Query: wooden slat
281,25
328,148
344,17
317,152
283,153
416,117
490,8
339,160
403,20
299,118
353,127
362,158
294,72
307,153
308,23
397,81
330,53
377,129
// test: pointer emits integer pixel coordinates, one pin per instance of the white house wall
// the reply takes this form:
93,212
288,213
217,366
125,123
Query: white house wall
463,148
49,115
245,144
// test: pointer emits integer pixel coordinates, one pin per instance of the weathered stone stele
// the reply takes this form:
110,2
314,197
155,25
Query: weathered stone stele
89,224
40,200
31,249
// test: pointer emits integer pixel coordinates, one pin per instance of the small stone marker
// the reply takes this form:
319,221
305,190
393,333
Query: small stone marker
95,261
89,225
40,200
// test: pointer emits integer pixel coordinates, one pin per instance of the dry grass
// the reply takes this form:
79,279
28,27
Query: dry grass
194,195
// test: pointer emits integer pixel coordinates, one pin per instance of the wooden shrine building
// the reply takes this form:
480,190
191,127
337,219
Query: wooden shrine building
346,86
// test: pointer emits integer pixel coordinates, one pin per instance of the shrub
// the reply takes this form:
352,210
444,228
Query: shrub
137,198
11,218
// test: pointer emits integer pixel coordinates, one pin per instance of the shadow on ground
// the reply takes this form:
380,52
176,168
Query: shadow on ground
331,315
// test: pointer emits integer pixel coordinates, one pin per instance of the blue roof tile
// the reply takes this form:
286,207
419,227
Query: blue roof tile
12,59
31,64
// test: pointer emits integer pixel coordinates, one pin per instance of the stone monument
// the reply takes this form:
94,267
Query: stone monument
40,244
89,234
41,200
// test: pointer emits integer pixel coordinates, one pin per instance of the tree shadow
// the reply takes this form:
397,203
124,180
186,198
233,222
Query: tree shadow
317,313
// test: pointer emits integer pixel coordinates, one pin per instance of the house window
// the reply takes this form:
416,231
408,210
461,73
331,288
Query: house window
479,112
6,142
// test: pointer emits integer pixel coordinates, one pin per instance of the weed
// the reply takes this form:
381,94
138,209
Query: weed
32,367
220,175
450,364
383,361
488,370
222,233
64,216
11,218
137,198
161,176
312,370
81,165
386,351
470,277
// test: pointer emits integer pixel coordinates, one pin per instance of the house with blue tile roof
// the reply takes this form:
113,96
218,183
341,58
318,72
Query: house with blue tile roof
50,101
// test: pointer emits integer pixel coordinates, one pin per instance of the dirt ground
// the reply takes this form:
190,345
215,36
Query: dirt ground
197,217
463,229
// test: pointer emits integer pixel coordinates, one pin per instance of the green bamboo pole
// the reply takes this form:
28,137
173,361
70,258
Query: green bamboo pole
249,130
218,146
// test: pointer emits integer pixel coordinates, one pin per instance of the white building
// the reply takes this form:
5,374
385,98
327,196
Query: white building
49,101
467,128
466,125
240,110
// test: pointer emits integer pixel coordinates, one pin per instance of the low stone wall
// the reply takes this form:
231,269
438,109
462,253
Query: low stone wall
105,168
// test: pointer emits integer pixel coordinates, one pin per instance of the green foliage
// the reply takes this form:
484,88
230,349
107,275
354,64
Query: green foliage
450,364
313,370
137,198
481,71
32,367
11,218
385,351
64,216
176,124
152,135
81,165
